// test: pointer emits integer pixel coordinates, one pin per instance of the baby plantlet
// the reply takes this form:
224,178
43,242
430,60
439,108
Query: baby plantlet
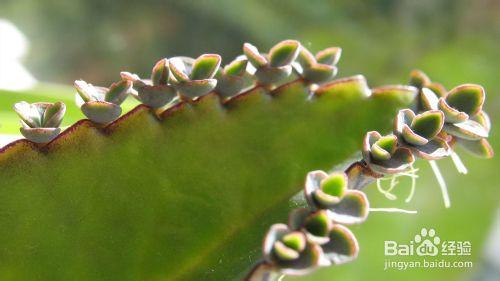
459,106
40,121
99,104
154,92
276,65
194,77
420,132
331,193
230,79
320,68
384,155
290,250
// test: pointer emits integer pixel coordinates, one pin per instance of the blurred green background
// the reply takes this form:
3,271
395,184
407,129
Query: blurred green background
454,41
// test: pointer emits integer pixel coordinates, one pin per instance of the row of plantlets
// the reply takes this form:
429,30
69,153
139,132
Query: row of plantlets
315,236
184,79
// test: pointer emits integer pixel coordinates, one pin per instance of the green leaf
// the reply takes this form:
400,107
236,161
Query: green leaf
428,124
352,209
335,184
205,67
419,79
437,88
305,58
284,53
294,240
40,135
413,138
272,75
329,56
253,55
432,150
118,92
86,91
101,112
480,148
156,96
181,198
318,224
196,88
483,119
468,98
53,115
469,130
451,115
388,143
319,73
178,69
28,114
342,247
237,67
228,85
160,73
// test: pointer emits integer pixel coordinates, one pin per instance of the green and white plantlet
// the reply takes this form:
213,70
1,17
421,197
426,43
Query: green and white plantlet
41,120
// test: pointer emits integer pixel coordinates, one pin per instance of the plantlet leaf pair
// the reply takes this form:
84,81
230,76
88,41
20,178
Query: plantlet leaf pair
155,92
331,193
99,104
40,121
320,68
419,133
275,66
384,155
194,77
230,79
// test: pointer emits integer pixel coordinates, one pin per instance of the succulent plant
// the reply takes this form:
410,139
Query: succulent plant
459,106
228,180
230,78
330,192
194,77
275,66
320,68
154,92
384,155
420,133
99,104
41,120
465,119
290,251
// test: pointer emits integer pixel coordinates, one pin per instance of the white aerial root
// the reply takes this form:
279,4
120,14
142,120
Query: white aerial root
412,174
393,182
387,193
441,182
393,210
458,163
